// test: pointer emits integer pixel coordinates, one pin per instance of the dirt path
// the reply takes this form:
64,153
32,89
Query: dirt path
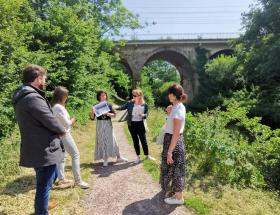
125,188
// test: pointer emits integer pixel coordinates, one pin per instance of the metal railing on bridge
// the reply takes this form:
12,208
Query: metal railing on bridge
179,36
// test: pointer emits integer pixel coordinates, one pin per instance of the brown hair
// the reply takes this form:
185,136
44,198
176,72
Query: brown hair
139,93
99,94
59,94
31,72
178,91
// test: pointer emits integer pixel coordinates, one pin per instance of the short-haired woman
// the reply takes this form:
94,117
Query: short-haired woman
59,99
137,111
106,143
172,176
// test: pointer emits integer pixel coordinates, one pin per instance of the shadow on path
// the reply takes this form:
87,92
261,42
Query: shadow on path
19,186
111,168
154,206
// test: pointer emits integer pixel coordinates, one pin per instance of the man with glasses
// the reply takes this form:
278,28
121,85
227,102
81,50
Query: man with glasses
40,147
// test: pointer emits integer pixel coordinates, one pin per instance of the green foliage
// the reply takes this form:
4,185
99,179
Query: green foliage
259,51
161,95
255,66
232,147
111,16
222,71
64,37
156,77
9,157
160,71
120,81
219,78
197,205
147,90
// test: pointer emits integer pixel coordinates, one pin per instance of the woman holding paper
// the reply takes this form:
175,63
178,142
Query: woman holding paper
137,113
106,144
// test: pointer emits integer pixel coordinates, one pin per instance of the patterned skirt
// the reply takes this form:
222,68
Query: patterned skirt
172,177
106,144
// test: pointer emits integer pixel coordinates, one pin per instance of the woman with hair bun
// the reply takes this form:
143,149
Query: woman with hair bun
172,178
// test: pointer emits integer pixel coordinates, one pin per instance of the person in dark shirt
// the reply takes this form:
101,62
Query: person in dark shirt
106,144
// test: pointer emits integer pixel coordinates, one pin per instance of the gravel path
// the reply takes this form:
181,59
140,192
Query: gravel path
125,188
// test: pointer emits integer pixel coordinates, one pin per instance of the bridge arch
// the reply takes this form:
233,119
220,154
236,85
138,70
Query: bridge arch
226,52
180,53
180,61
126,67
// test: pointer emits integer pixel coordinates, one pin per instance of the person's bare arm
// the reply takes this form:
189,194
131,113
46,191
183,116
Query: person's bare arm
174,139
92,114
110,114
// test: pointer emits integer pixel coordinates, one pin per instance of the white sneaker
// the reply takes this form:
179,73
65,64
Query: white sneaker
64,181
82,185
149,157
122,159
105,163
137,160
174,201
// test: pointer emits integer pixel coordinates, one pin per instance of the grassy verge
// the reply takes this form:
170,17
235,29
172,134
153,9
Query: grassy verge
17,190
202,195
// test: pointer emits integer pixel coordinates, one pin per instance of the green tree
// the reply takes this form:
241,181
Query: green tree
259,55
218,78
157,76
64,37
111,16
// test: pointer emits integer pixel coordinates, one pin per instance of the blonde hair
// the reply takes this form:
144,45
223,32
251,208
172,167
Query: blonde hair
139,93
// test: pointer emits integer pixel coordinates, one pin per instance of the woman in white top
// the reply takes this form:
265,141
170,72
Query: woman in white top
58,102
172,178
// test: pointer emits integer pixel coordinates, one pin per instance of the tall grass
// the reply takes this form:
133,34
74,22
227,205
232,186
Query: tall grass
17,188
9,150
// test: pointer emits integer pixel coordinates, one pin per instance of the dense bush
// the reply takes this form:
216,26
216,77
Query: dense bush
161,95
233,148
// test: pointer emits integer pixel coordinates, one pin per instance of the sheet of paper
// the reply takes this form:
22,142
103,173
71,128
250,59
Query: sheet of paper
101,108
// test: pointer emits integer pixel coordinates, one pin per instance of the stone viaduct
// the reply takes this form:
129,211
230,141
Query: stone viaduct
181,53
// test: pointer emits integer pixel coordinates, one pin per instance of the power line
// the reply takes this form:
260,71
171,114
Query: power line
192,23
189,12
192,18
193,7
181,17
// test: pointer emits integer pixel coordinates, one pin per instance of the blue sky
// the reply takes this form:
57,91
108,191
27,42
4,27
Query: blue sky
188,16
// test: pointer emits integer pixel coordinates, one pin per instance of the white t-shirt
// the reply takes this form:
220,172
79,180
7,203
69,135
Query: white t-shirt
177,112
63,116
136,113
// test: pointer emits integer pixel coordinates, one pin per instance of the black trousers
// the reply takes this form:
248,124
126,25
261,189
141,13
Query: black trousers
137,131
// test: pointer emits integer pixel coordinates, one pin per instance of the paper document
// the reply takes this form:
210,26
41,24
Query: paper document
101,108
